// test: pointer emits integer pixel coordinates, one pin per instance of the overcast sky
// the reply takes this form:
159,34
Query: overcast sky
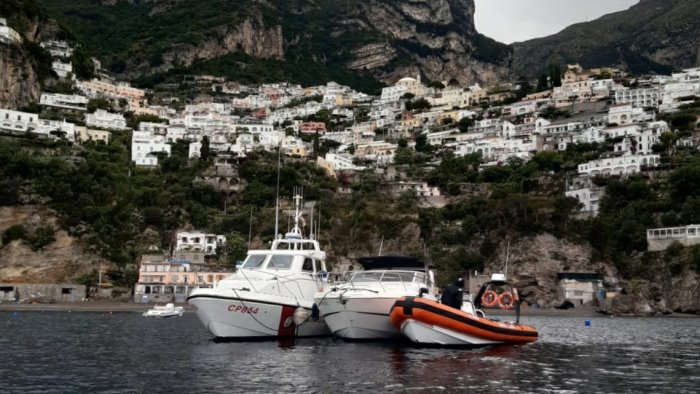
519,20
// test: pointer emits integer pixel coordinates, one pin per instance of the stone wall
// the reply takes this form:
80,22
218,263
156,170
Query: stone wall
42,293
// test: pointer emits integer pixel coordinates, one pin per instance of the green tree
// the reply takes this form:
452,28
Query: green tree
555,75
98,103
542,83
236,248
204,151
422,144
464,124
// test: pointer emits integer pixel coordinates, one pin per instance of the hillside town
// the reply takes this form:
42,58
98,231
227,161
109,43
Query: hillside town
344,131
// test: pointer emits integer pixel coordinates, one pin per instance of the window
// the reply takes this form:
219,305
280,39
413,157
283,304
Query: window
155,289
366,277
280,262
308,265
254,261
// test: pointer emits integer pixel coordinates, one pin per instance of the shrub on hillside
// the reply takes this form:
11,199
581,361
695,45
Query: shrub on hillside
15,232
42,237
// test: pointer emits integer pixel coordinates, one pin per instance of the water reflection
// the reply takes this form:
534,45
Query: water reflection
124,352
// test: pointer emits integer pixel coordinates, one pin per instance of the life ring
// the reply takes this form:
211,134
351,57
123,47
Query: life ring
489,299
506,300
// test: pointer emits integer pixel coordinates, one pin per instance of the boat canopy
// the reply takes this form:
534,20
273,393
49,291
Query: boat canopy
392,262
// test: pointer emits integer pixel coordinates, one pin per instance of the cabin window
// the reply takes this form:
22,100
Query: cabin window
308,265
254,261
280,262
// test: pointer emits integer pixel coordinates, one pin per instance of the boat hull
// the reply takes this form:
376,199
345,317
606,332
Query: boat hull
238,318
427,322
426,334
359,318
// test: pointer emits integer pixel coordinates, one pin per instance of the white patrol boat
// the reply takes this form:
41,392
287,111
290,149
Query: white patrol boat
272,294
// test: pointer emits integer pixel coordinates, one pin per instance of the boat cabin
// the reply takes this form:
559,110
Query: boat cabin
392,269
276,261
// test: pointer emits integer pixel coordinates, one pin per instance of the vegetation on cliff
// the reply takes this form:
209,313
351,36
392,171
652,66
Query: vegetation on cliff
119,210
354,43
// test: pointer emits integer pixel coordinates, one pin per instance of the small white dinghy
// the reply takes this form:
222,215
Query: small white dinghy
169,310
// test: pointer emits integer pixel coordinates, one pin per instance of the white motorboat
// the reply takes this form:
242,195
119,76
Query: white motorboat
271,295
359,309
168,310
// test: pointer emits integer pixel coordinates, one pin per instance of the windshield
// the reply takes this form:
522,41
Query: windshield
398,277
254,261
389,276
366,277
280,262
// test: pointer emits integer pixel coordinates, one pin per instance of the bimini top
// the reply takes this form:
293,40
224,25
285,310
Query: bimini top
392,262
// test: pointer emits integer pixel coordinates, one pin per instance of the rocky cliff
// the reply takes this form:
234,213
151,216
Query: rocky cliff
653,35
386,39
62,260
19,81
24,66
535,261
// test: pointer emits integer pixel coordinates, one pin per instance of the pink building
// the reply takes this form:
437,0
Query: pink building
171,280
312,127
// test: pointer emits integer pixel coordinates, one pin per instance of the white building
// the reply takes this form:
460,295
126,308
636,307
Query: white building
8,35
17,121
661,238
334,163
621,165
520,108
57,48
55,129
589,194
199,241
403,86
66,101
63,70
105,120
622,114
641,98
144,147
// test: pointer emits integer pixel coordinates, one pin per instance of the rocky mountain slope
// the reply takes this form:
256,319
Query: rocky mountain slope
23,66
653,35
307,40
63,258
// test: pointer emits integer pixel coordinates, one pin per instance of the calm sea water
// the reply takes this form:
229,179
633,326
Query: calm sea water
125,353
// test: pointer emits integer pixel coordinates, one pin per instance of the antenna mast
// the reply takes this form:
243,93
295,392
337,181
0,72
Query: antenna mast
277,201
507,255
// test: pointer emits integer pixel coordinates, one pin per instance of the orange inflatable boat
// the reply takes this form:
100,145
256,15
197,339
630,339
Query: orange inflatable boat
428,322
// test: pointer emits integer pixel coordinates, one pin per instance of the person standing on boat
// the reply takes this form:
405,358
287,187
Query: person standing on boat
452,295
